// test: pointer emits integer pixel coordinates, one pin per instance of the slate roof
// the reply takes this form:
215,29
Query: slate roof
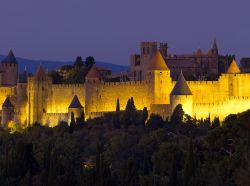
181,87
10,58
75,103
233,68
7,103
23,77
157,62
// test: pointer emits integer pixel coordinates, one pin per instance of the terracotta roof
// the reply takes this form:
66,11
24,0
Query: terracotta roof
157,62
181,87
7,103
40,71
233,68
93,73
10,58
75,103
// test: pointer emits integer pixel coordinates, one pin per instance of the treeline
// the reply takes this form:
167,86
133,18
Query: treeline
130,148
73,74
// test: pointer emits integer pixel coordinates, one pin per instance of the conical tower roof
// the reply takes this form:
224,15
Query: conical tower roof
215,46
93,73
233,68
75,103
10,58
40,71
157,62
181,87
7,103
23,77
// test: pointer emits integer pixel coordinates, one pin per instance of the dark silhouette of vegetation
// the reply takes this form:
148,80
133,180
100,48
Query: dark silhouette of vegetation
89,62
176,152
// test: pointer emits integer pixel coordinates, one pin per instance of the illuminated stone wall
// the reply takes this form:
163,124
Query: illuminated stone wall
103,97
52,119
62,95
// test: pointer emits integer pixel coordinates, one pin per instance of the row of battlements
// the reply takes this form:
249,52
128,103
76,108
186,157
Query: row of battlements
125,83
67,85
231,98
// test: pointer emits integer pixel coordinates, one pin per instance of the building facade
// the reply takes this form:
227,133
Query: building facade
197,65
35,98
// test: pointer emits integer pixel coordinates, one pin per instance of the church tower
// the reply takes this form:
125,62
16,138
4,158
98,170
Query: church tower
158,80
181,94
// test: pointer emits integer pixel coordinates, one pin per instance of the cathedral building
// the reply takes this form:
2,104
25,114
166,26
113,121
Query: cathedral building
34,98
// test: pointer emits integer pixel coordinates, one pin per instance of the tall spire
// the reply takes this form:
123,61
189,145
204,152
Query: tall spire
215,46
181,87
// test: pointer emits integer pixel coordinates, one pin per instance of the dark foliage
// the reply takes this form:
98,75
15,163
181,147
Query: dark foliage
173,153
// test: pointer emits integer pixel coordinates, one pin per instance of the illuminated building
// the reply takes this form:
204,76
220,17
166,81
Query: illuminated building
36,99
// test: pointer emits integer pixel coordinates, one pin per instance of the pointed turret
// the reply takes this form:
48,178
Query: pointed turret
181,87
7,112
7,103
233,68
40,72
93,73
75,103
215,46
11,59
23,77
157,63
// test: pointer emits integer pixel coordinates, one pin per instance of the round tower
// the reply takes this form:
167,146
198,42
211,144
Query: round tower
181,94
7,112
75,107
158,80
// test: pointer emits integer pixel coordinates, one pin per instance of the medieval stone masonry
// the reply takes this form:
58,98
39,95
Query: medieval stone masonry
29,99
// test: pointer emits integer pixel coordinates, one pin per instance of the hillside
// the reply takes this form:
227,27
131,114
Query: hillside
31,65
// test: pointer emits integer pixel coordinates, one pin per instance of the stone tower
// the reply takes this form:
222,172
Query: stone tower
9,70
22,97
181,94
158,80
92,90
39,91
148,50
7,112
75,107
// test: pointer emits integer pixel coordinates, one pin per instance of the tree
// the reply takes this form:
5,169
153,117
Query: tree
78,62
116,116
117,105
144,115
190,166
178,114
129,114
155,121
173,180
81,119
90,61
72,124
